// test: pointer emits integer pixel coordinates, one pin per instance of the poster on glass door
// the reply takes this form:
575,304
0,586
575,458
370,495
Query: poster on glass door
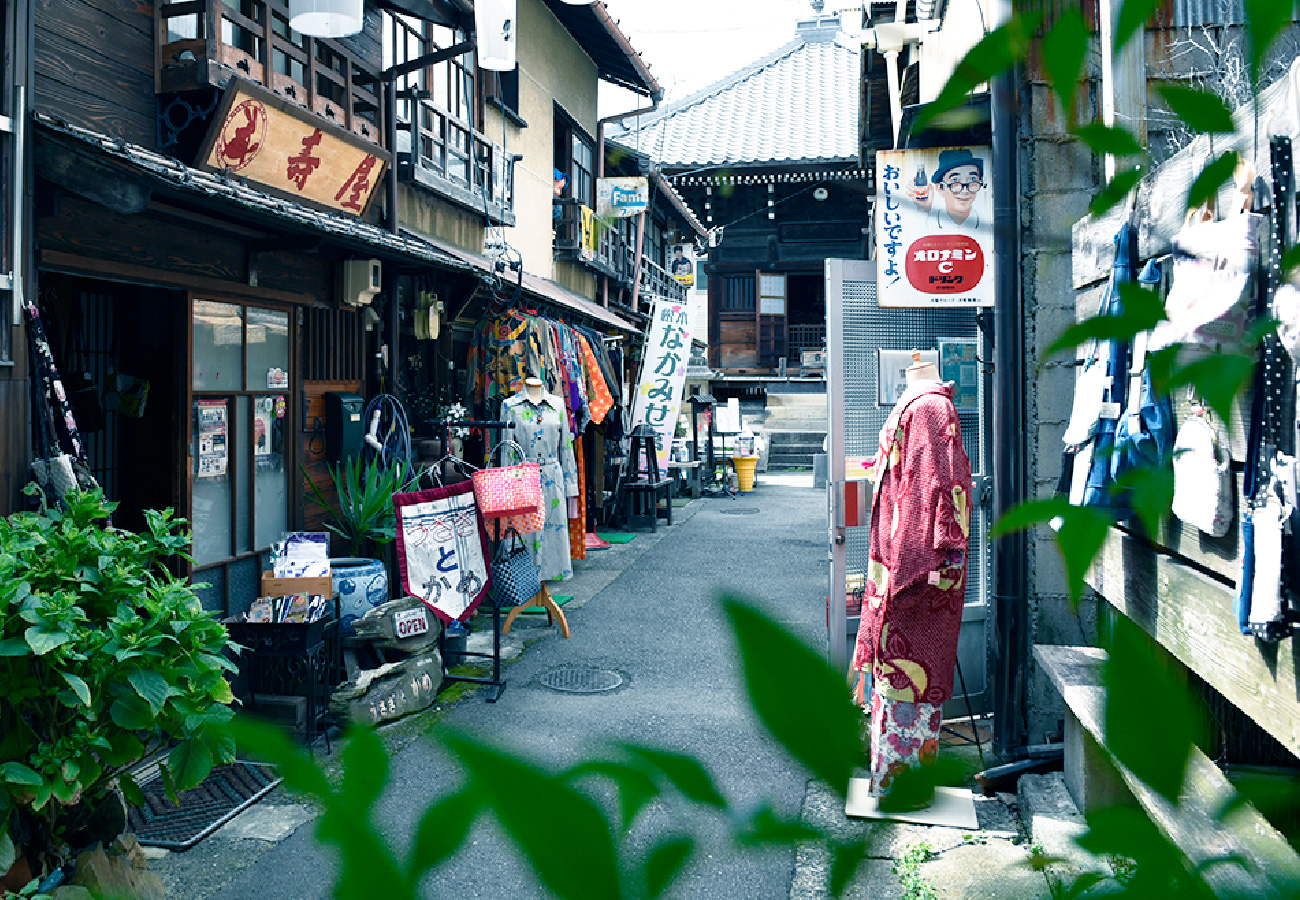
934,228
663,374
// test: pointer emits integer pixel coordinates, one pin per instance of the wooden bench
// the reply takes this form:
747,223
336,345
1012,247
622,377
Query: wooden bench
1197,825
689,474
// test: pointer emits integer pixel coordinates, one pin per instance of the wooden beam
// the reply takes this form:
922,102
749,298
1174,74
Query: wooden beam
1190,615
72,264
1199,825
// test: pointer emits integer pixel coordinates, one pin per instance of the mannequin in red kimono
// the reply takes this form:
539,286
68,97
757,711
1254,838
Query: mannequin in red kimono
916,578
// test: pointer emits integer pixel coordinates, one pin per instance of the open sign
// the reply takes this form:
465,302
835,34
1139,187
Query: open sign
410,623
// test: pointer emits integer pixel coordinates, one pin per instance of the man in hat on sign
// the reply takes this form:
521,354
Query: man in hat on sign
958,180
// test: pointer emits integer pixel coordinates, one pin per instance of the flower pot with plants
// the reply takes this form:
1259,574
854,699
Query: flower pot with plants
105,657
364,517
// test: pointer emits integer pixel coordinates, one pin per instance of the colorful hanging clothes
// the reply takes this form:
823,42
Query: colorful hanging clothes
578,525
543,431
598,395
916,576
504,351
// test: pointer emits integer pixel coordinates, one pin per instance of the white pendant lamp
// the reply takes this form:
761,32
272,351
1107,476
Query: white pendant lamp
494,25
327,18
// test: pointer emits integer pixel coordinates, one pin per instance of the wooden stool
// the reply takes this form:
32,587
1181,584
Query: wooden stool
639,497
543,599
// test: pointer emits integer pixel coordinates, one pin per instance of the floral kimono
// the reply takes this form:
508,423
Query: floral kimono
542,429
916,578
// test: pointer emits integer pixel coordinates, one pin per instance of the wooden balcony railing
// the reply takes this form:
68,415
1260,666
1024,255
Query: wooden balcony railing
204,43
610,252
456,162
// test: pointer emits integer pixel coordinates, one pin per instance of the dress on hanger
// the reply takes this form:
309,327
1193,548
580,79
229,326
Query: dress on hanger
916,578
542,429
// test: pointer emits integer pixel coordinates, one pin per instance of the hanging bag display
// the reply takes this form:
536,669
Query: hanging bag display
1203,485
442,550
509,490
516,578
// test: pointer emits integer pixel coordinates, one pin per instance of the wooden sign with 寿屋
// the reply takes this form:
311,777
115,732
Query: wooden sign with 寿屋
266,139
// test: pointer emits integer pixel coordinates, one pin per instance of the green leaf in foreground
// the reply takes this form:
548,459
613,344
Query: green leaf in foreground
1114,193
545,818
636,788
1065,48
1151,494
1081,532
1207,184
1290,260
1143,310
1265,20
441,832
665,862
269,743
684,773
1131,17
1160,706
803,702
1199,110
845,859
1218,379
1109,139
996,52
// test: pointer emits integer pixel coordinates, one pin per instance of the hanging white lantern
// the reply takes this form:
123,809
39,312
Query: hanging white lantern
495,24
327,18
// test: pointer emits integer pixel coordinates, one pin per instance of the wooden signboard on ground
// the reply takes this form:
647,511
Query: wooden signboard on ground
291,152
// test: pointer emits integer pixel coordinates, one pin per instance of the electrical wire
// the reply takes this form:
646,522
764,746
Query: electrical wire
388,432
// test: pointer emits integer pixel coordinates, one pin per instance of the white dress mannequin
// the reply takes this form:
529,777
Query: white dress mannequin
920,371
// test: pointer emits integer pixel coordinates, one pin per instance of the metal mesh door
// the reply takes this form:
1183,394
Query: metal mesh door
857,329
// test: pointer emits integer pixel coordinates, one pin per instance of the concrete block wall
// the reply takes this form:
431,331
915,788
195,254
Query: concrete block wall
1058,178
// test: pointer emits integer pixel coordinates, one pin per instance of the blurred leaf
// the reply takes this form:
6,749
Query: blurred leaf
845,860
1109,139
665,862
802,702
1065,48
1080,886
14,647
1217,379
1265,20
1290,260
1132,16
1114,193
1080,536
1127,832
1143,310
684,773
191,761
996,52
764,828
1199,110
1144,698
1207,184
546,819
441,832
635,786
1151,494
914,786
365,767
269,743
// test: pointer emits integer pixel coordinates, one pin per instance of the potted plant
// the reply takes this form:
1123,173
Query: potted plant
105,656
365,518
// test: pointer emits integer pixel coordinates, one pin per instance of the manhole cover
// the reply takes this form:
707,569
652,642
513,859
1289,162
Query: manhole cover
742,511
576,680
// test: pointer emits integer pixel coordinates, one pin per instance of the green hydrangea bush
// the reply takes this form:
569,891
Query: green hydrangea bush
105,656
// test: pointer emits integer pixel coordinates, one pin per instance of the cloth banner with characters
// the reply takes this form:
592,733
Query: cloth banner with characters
442,550
663,374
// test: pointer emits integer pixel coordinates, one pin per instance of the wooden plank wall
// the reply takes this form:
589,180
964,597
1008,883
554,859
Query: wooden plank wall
94,66
15,444
312,449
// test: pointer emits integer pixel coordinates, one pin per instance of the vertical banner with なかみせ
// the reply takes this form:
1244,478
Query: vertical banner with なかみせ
663,375
934,228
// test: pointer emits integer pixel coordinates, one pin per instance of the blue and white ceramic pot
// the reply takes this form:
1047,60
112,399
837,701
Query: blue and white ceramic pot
361,585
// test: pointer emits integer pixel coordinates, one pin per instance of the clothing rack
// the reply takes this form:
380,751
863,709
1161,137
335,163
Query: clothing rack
496,684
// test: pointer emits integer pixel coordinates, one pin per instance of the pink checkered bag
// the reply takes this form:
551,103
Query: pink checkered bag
508,490
525,523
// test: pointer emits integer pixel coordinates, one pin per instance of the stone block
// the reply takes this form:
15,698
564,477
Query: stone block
381,625
1091,778
284,710
267,823
390,691
118,871
821,468
1060,165
1052,821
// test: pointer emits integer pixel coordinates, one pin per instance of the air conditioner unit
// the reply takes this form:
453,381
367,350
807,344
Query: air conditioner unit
362,279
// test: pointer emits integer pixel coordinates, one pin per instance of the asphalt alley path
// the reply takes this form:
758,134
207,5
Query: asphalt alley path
659,625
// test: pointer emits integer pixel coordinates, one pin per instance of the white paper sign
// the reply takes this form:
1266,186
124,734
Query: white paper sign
934,228
663,374
621,197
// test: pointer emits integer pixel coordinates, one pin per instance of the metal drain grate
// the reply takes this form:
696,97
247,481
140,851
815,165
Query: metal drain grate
225,793
581,680
742,511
